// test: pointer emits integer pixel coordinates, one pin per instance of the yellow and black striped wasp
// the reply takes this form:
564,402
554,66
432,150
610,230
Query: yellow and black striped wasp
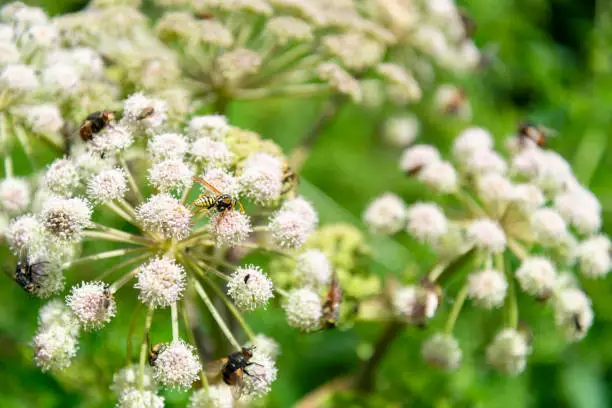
214,199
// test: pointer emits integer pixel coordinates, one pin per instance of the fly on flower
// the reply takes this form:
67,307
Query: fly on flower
331,307
214,199
28,275
290,179
146,113
94,123
232,369
538,134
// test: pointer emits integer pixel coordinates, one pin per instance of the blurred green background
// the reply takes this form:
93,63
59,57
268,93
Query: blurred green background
552,63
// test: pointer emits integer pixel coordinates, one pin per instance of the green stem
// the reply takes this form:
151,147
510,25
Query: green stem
143,345
103,255
517,249
454,314
131,181
175,326
123,280
215,314
8,167
121,213
192,341
128,351
121,265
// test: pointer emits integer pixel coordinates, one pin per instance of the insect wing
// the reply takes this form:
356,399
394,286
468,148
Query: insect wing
214,369
206,184
237,383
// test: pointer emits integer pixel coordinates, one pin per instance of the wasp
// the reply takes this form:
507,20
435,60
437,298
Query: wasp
154,352
290,179
233,367
108,297
538,134
331,307
219,201
94,123
28,275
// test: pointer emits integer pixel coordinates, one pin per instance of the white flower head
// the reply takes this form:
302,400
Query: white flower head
287,28
263,374
440,176
340,80
142,111
528,197
261,178
537,276
56,313
548,227
108,185
170,174
165,215
61,78
129,377
40,36
166,146
313,268
426,222
44,118
24,233
580,208
160,282
231,228
471,140
211,153
487,288
9,53
135,398
553,172
250,288
508,352
235,65
386,214
415,304
177,365
216,396
54,347
303,309
18,78
211,126
594,259
92,303
223,181
62,177
14,195
112,139
417,157
442,351
265,345
401,131
573,313
487,235
484,161
65,218
495,189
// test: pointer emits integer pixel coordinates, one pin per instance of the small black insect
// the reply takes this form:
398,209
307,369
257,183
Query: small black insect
247,277
29,275
94,123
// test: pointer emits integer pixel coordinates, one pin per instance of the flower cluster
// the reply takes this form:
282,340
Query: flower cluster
526,222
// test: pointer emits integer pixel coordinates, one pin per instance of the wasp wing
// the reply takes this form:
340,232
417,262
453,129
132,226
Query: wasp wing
236,383
206,184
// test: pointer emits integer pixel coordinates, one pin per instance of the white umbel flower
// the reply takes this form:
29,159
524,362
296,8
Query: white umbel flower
177,365
232,228
135,398
386,214
426,222
223,181
24,233
340,80
442,350
293,223
108,185
142,111
508,352
112,139
165,215
211,153
61,78
581,209
487,235
495,189
487,288
265,345
65,218
18,78
166,146
62,178
129,377
415,304
537,276
313,268
263,374
9,54
471,140
440,176
54,347
401,131
528,197
211,126
548,227
56,313
250,288
160,282
216,396
44,118
573,313
417,157
14,195
594,260
170,174
484,161
92,304
261,178
286,29
554,173
303,309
